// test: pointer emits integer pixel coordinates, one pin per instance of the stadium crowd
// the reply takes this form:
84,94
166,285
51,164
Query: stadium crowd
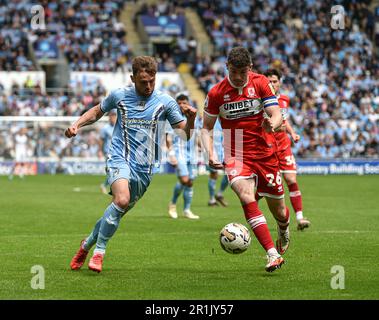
88,33
14,50
47,140
29,100
331,76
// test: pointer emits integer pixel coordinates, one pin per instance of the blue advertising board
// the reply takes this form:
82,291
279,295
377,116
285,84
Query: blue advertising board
164,25
46,49
315,167
324,167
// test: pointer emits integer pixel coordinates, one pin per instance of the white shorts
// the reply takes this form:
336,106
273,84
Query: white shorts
21,155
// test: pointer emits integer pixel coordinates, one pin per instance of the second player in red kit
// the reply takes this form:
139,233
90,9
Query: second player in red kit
287,162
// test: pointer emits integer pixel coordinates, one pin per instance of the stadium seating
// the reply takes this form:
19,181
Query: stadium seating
331,76
14,50
88,33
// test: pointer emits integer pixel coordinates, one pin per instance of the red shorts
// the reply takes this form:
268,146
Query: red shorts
287,162
265,172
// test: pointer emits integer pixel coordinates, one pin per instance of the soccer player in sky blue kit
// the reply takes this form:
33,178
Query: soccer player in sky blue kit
185,153
142,113
105,142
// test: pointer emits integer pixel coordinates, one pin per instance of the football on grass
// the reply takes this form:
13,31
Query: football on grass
235,238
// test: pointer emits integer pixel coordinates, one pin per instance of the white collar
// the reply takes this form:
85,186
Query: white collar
239,88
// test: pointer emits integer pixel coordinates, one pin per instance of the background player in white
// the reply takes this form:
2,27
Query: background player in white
20,152
142,113
105,142
185,158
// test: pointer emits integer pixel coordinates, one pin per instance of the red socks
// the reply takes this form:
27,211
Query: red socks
258,224
295,197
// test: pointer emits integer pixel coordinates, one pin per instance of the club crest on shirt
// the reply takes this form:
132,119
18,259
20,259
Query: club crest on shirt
250,92
141,105
227,97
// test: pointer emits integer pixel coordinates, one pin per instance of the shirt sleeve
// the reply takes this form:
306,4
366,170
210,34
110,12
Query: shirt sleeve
109,102
173,113
284,113
285,110
267,93
211,106
168,128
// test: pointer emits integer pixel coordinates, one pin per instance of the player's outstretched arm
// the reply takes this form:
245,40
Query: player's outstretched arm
89,117
275,120
207,141
295,137
186,126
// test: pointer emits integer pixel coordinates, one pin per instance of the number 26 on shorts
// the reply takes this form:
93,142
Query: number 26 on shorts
271,178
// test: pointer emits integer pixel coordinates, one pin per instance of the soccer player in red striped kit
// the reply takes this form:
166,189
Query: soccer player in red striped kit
240,101
287,162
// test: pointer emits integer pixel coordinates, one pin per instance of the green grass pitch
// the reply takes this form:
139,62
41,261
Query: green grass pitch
43,219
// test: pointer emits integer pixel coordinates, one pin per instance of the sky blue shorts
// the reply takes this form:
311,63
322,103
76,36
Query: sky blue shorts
138,181
185,168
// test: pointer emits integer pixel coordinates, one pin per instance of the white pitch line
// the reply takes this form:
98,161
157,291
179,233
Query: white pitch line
342,231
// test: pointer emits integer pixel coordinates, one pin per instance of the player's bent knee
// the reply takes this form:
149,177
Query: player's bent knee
213,175
281,210
290,179
184,180
246,197
122,201
244,191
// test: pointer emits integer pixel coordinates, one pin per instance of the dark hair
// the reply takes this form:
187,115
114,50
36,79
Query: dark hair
273,72
181,97
144,62
239,57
